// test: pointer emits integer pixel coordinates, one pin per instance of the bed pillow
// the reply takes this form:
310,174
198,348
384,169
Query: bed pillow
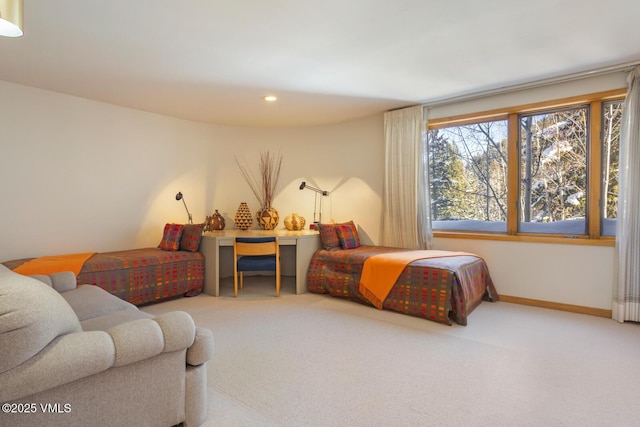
171,237
191,236
329,236
348,235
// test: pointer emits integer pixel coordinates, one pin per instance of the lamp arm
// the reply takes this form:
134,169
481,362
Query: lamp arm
304,185
188,213
317,190
317,216
180,197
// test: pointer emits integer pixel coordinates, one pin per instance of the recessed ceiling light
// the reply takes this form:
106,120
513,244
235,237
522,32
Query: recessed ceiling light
270,98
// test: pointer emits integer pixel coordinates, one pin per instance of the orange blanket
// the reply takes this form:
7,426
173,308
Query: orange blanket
54,264
380,272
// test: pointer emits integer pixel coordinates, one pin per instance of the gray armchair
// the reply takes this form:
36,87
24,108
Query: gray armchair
84,357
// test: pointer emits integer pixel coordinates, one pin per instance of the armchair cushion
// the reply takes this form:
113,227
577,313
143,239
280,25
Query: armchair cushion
90,301
62,281
31,316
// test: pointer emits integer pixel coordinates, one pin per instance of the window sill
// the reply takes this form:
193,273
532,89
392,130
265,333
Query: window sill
558,240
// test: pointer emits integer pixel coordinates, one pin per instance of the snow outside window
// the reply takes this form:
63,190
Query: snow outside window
554,173
468,177
553,190
611,120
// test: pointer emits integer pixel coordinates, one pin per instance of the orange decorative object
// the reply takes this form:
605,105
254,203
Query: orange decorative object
294,222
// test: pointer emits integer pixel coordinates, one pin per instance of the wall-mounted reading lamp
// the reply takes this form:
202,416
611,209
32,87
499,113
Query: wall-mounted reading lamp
179,197
11,12
317,210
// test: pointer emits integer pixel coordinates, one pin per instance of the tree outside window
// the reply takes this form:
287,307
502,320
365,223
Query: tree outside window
545,170
553,171
611,120
468,176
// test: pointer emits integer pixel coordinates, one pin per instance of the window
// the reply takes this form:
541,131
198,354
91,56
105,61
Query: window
468,179
543,170
553,171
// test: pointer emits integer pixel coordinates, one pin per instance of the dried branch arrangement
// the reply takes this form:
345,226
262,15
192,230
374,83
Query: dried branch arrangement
263,187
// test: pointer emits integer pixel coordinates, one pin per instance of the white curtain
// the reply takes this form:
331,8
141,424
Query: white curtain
406,218
626,303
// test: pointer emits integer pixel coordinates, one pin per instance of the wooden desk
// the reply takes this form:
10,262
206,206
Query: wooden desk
296,250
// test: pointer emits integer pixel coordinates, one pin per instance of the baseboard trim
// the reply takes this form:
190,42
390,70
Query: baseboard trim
600,312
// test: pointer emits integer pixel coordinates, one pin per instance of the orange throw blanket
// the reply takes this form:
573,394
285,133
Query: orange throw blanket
380,272
54,264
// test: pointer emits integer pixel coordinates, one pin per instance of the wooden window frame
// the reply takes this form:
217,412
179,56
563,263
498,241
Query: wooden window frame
594,168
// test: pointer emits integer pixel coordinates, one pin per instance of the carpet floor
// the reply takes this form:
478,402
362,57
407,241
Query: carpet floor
314,360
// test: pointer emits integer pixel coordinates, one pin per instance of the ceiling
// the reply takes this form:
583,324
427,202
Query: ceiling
327,61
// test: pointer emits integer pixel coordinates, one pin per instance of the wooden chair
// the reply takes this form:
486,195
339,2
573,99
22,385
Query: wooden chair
255,254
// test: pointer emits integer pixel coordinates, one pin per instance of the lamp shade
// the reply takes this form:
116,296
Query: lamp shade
11,12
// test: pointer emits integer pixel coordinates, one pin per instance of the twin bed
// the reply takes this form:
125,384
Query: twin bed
441,286
139,276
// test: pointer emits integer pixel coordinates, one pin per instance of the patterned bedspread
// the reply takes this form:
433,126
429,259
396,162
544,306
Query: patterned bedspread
439,289
142,276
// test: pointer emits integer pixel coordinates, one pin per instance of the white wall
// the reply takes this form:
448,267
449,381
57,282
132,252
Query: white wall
568,274
78,175
346,159
583,86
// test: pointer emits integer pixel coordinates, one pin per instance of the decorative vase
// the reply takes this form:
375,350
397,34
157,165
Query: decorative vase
243,218
268,218
294,222
217,221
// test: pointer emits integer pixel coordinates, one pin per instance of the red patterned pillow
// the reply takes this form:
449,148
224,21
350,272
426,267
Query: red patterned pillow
171,237
191,236
348,235
329,236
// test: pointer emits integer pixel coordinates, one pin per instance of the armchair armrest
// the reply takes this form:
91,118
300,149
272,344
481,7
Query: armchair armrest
66,359
178,329
144,338
202,348
77,355
136,340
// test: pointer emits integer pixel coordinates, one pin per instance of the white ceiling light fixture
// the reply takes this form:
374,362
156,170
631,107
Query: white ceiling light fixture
270,98
11,14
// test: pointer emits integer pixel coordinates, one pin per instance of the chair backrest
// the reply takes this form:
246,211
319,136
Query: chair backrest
253,246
